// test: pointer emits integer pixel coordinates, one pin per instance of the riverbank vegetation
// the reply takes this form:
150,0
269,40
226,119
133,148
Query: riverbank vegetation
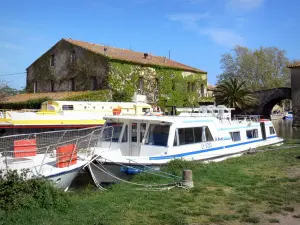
261,188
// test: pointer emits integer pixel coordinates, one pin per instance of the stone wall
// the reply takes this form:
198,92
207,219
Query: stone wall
86,69
295,87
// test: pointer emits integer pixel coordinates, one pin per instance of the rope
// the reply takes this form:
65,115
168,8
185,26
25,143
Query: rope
120,164
133,183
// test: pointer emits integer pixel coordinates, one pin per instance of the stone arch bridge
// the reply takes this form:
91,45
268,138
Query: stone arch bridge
267,99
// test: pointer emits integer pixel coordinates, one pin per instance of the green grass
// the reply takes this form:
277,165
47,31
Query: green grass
241,190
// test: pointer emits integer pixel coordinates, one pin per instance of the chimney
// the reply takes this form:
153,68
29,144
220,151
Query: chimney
145,55
165,59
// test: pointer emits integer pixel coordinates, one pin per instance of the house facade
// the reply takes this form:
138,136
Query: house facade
72,65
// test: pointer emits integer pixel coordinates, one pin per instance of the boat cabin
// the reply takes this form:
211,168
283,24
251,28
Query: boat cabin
124,108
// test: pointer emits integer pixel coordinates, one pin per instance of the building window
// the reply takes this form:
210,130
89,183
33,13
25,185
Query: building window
188,86
52,86
252,133
73,57
272,130
72,84
173,85
35,87
52,60
94,83
141,83
202,90
235,136
193,87
156,83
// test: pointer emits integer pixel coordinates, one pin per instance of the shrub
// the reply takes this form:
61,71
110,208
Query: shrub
18,192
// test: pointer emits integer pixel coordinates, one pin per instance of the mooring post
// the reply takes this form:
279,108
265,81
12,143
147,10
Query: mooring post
187,178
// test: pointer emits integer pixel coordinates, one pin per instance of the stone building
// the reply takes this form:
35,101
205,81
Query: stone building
72,65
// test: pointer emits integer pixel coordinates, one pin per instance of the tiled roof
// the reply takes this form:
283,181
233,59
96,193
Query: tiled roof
31,96
132,56
210,87
294,65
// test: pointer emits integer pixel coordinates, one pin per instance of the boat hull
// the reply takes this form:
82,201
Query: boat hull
64,180
103,171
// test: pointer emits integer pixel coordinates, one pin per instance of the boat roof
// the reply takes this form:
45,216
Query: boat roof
167,119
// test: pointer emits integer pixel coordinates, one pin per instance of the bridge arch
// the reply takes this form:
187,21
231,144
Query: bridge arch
267,99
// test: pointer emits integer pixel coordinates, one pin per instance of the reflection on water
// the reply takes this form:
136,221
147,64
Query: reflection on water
284,129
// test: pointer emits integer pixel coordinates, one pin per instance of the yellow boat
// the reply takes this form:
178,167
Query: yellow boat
57,115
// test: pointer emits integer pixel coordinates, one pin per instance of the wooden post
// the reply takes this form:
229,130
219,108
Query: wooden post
187,178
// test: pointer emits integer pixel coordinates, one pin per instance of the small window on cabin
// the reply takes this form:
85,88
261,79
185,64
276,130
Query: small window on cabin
52,60
158,135
94,83
194,135
272,130
67,107
94,107
145,109
252,134
84,107
235,136
73,57
114,134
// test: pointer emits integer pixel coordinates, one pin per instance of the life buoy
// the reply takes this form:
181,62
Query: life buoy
263,120
117,111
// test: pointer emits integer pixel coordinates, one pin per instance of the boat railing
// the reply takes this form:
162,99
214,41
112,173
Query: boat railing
247,118
55,149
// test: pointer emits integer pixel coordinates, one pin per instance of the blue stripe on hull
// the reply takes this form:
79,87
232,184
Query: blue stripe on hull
207,150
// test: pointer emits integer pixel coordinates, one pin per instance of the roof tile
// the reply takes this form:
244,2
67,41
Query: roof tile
132,56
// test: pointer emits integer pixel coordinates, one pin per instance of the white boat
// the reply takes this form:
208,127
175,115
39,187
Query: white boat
288,115
155,140
58,155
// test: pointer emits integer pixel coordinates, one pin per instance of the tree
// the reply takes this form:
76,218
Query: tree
262,68
234,94
5,90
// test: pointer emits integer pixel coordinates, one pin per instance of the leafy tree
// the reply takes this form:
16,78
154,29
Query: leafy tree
234,93
5,90
262,68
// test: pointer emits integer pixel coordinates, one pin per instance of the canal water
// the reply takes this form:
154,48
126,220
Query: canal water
285,130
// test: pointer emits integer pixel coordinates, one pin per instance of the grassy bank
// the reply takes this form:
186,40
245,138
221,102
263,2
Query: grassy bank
261,188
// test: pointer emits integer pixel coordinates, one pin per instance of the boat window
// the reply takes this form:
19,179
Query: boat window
67,107
145,109
216,111
235,136
272,130
193,135
252,133
158,135
107,134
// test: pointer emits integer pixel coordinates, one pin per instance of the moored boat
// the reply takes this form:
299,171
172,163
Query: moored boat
57,156
288,115
155,140
62,115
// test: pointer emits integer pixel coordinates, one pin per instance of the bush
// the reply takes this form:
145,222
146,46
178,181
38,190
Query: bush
30,104
18,192
101,95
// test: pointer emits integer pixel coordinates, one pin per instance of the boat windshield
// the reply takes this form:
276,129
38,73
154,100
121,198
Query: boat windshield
116,132
158,135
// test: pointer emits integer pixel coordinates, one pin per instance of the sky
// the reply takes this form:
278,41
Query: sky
196,32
